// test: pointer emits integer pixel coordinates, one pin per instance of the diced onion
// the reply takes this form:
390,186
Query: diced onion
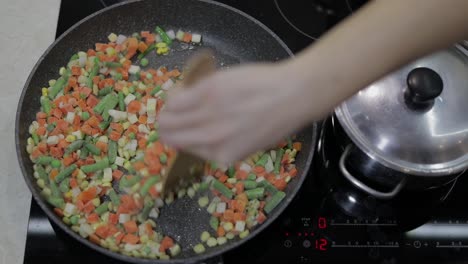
52,140
221,207
132,145
121,39
132,118
134,69
85,230
82,61
119,161
154,213
143,129
245,167
75,192
260,179
269,165
130,247
180,35
69,209
117,116
130,97
196,38
123,218
168,84
107,177
171,34
240,226
70,117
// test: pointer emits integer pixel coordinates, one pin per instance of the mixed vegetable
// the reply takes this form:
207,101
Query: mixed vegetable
98,160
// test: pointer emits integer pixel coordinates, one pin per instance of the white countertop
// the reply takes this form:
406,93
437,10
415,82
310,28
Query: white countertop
27,28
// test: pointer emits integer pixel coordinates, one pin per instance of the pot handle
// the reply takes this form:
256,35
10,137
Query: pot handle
364,187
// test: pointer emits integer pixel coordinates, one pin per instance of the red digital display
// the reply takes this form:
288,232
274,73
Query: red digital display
321,244
322,223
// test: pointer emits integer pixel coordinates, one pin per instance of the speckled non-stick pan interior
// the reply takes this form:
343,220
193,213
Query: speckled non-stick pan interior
234,36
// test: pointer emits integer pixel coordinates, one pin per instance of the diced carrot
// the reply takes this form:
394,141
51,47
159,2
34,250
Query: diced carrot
220,232
93,218
150,39
88,207
36,153
282,144
40,115
118,238
117,127
87,195
113,218
132,46
128,202
174,73
142,119
293,172
262,205
92,101
280,184
41,131
166,243
241,175
106,82
76,70
187,37
93,122
57,113
58,211
223,178
117,174
73,183
142,46
68,160
102,231
239,217
130,239
144,34
155,168
149,229
114,135
134,107
87,129
102,146
142,143
130,227
42,146
240,206
95,239
53,173
91,52
261,218
153,192
239,187
297,146
101,46
228,215
258,169
112,229
242,197
62,143
96,80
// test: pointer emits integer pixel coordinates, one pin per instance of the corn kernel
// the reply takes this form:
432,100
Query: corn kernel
62,71
96,202
125,91
68,194
159,51
70,138
45,91
112,37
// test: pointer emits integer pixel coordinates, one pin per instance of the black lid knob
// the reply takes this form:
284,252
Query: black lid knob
424,85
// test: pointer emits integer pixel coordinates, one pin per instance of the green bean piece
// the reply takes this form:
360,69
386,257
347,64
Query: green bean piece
74,57
262,161
268,187
251,177
147,51
138,96
65,173
42,173
55,189
231,171
102,208
132,89
45,103
163,35
56,201
274,201
125,182
118,76
108,102
121,101
154,135
146,210
148,183
93,73
214,222
58,86
279,156
93,149
289,143
56,163
44,160
222,189
131,135
114,197
105,91
112,151
163,158
256,193
104,125
74,146
65,185
84,153
35,138
100,165
155,90
112,64
249,184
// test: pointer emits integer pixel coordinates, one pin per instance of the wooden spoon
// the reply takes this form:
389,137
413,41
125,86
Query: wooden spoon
186,167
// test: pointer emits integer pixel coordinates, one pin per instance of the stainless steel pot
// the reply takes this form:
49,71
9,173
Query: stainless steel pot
411,127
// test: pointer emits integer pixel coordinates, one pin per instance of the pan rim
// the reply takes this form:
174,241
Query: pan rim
27,176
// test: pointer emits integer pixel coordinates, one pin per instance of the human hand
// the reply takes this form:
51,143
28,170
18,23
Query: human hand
234,113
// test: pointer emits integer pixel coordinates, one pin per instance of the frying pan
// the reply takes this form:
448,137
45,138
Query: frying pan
234,37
